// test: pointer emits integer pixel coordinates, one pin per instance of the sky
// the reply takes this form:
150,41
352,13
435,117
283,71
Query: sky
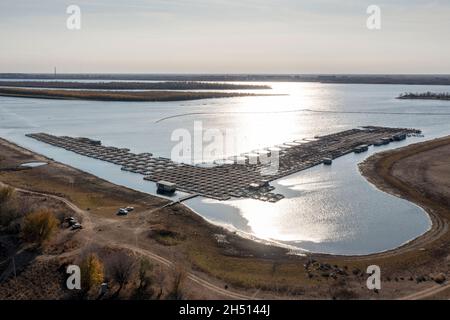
225,36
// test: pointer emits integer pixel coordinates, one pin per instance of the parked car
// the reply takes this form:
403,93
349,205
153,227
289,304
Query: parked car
71,221
77,226
122,212
129,209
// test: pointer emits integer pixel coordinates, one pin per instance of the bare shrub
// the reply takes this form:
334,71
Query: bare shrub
143,289
39,226
6,214
121,268
160,280
6,193
340,290
176,291
13,209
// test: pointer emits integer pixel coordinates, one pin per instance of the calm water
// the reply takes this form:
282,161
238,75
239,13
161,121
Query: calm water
327,209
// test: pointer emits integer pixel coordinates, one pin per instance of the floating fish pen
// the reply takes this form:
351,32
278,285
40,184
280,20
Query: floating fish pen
224,162
245,176
361,148
252,158
378,143
274,150
263,153
292,144
239,160
399,137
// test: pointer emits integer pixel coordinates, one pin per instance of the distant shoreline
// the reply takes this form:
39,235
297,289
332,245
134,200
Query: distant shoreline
403,79
425,96
167,85
132,96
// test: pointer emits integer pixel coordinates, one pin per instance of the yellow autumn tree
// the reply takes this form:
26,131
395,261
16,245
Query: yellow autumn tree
6,193
92,272
39,226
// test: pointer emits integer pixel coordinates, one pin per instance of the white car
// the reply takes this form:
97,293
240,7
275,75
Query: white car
72,221
77,226
122,212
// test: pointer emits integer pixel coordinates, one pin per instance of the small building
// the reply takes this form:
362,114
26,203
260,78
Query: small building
89,141
264,183
165,187
378,143
239,160
386,140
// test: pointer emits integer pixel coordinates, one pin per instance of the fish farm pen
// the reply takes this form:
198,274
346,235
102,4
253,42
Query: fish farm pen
244,176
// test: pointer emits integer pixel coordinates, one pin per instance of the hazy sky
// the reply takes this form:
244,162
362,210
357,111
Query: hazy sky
225,36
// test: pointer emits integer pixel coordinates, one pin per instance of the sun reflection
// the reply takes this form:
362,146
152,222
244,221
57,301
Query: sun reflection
274,222
268,123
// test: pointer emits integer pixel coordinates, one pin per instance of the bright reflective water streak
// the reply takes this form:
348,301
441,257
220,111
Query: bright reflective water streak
329,209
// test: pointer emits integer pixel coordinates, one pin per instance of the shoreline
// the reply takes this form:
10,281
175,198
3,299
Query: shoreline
243,264
381,178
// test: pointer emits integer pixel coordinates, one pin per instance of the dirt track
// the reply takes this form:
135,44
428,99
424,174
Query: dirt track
89,225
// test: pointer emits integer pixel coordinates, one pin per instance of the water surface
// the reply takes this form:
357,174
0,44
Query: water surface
328,209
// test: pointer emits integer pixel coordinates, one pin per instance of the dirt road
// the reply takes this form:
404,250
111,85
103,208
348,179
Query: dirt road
89,226
427,293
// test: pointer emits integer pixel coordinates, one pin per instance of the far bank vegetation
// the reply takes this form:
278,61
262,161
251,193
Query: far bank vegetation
116,95
425,96
128,85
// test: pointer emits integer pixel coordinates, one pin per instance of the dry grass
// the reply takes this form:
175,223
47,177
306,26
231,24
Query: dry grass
245,272
40,280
